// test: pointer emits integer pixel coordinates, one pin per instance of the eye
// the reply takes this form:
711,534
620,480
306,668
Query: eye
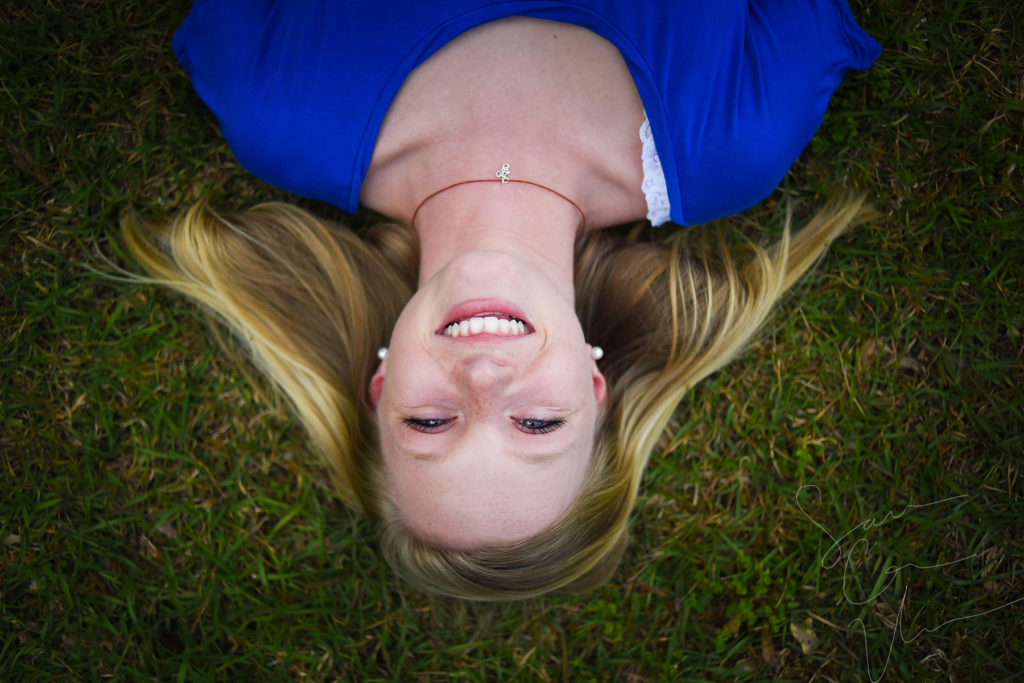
532,425
428,425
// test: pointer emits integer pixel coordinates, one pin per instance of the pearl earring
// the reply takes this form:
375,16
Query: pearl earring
382,352
596,352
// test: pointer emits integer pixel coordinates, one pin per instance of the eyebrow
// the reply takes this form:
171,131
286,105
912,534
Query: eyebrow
531,458
419,455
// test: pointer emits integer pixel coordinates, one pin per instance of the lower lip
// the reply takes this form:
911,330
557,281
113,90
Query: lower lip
473,307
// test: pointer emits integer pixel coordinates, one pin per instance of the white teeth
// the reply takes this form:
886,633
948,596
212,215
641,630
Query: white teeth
486,325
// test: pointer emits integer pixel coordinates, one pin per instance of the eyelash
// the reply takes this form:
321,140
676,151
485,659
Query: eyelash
541,426
432,425
427,425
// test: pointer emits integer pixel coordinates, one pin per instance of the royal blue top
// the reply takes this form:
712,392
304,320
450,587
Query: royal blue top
733,89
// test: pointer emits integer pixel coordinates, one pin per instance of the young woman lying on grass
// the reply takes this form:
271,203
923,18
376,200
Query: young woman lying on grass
487,370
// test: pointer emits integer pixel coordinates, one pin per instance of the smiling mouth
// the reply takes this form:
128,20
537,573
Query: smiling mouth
490,323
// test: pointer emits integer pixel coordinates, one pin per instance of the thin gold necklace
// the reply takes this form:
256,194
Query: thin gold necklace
502,176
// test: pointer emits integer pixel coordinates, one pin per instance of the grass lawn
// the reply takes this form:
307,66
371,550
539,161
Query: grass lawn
845,502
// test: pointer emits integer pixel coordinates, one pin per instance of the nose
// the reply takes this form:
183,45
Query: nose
485,373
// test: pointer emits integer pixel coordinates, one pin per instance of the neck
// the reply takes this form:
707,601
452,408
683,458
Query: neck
504,170
516,218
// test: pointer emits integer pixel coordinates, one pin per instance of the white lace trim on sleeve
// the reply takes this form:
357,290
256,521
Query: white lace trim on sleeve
654,188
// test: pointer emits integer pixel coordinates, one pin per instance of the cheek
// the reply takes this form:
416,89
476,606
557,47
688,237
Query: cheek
409,374
569,374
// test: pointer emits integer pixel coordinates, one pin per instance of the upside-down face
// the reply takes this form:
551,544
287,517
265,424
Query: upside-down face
487,404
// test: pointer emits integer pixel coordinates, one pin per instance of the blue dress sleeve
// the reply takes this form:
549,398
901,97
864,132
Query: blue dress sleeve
285,89
757,81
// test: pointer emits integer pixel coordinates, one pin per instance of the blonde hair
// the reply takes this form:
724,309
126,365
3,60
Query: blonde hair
311,302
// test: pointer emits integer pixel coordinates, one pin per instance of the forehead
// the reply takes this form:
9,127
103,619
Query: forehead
484,493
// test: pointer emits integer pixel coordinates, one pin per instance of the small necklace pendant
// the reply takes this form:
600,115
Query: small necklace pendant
503,173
